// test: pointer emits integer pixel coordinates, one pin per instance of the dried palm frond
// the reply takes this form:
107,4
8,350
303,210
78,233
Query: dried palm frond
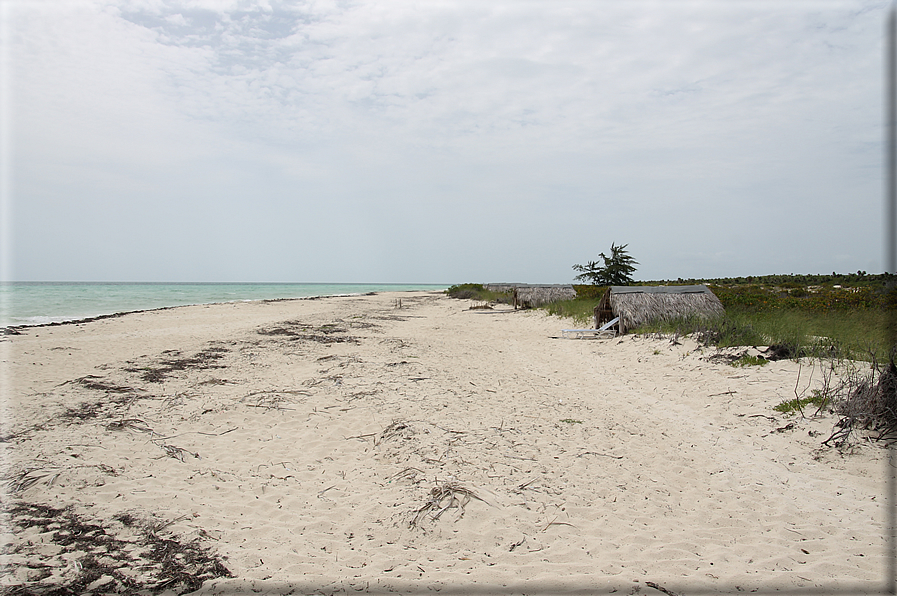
28,478
442,498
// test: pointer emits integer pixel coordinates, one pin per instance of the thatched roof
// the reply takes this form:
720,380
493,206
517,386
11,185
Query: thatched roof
534,295
639,305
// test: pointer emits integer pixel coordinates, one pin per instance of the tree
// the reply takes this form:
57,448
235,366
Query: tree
617,269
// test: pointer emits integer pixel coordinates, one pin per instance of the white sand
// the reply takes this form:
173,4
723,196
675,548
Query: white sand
601,464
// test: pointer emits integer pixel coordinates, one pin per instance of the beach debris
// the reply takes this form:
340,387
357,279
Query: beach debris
97,383
787,427
28,477
99,555
584,453
555,522
410,473
660,588
444,496
176,452
329,333
321,493
130,423
84,411
273,399
396,429
865,403
203,360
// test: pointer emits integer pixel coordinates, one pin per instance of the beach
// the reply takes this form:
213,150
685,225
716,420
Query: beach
401,441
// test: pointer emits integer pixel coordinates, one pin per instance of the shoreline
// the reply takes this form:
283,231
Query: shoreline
346,444
12,329
25,304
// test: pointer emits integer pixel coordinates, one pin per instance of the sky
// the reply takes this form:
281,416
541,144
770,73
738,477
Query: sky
438,141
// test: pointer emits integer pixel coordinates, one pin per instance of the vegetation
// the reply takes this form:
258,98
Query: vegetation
750,360
797,404
477,292
579,309
831,320
840,315
843,320
860,278
614,270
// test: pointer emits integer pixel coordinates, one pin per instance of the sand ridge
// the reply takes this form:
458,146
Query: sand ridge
345,444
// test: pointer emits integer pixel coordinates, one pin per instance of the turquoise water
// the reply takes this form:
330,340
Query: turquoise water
32,303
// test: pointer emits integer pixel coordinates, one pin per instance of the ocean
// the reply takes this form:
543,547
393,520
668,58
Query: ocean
38,303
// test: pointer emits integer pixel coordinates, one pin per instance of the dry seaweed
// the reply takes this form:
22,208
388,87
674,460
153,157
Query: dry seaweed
204,360
176,452
130,423
328,333
84,411
443,497
96,383
165,562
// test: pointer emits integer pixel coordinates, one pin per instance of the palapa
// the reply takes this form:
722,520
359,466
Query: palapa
640,305
533,295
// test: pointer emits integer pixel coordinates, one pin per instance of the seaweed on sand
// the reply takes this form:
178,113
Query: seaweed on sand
96,383
100,556
329,333
203,360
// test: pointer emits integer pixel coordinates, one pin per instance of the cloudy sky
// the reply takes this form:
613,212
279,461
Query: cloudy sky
439,141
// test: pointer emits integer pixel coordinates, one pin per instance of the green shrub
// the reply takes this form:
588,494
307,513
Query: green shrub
477,292
789,406
748,360
589,291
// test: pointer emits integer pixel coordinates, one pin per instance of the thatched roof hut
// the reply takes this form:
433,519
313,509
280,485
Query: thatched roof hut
639,305
532,295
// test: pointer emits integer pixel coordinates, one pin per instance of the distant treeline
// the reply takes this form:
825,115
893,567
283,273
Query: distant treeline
860,278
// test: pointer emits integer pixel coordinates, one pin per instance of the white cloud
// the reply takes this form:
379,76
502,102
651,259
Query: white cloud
726,125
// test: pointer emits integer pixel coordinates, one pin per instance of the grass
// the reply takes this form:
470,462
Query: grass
849,323
854,335
579,309
797,404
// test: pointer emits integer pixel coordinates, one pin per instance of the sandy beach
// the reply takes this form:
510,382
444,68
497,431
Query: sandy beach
353,444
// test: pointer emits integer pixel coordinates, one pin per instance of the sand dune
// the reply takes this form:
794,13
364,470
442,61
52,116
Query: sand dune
344,445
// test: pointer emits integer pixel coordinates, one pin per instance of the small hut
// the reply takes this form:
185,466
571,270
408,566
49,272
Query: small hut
639,305
534,295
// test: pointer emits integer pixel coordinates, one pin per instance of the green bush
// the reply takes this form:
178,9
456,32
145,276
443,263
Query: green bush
790,406
589,291
748,360
477,292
